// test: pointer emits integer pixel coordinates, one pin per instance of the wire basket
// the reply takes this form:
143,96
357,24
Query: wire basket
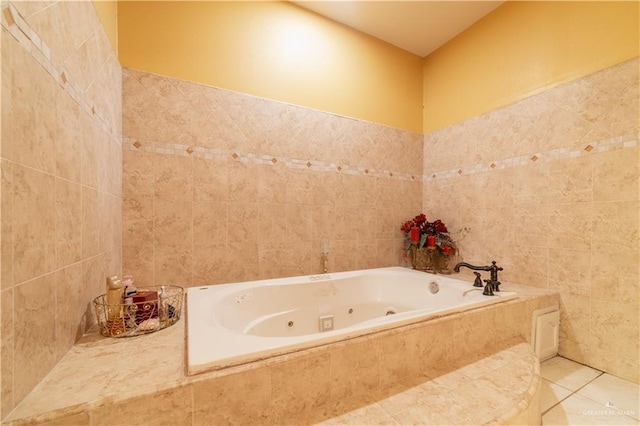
149,310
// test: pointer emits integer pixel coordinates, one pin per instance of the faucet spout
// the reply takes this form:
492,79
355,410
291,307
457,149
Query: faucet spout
492,283
470,266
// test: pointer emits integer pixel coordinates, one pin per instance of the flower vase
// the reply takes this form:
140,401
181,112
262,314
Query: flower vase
423,259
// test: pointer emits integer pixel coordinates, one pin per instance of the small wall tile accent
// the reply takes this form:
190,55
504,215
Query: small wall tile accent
61,183
548,187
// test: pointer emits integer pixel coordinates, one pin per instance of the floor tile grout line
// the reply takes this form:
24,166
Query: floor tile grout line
597,402
572,392
576,393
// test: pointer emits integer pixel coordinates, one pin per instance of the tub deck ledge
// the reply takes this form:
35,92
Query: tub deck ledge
413,377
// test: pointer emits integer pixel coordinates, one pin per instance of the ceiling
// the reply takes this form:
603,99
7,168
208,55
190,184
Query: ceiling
419,27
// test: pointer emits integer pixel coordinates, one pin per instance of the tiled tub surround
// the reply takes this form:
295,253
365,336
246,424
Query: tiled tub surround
462,369
548,186
61,183
221,187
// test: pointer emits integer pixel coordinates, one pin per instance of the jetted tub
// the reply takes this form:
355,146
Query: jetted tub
230,324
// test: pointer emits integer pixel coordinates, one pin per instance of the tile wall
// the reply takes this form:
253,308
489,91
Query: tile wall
61,182
220,186
548,187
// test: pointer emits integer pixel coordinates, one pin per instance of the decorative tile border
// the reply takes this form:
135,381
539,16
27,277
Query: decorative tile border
14,23
252,158
618,142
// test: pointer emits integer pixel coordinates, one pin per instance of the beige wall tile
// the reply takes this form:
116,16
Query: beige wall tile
34,328
85,62
225,401
172,223
90,225
614,277
309,389
614,327
73,420
103,156
33,223
89,153
498,230
47,24
137,220
7,356
272,224
399,357
139,262
210,265
571,226
529,265
342,256
70,307
615,175
570,180
243,222
173,177
243,182
615,226
211,223
68,223
435,343
211,179
531,184
94,281
242,260
172,407
30,125
578,352
173,265
612,362
531,225
6,223
137,173
570,271
115,168
498,191
609,101
69,137
355,370
575,317
109,222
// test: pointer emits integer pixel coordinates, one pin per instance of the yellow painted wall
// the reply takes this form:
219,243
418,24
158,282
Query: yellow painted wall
275,50
522,48
108,14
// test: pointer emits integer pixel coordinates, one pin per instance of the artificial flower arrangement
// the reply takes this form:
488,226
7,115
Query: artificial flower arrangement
424,233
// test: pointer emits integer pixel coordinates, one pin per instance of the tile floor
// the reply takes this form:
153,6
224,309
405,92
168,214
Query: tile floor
574,394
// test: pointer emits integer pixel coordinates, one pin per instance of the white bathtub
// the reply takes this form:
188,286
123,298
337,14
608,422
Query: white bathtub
230,324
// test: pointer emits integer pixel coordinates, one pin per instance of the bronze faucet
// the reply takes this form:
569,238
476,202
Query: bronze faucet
492,284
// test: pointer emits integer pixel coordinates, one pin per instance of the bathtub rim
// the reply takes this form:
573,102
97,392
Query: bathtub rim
327,338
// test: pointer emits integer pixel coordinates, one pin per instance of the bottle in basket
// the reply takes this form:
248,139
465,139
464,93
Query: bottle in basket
115,323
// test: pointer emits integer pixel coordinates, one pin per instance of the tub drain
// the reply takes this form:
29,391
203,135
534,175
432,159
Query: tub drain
290,324
390,313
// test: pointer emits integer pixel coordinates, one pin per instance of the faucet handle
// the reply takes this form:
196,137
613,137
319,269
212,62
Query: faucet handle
488,289
478,280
